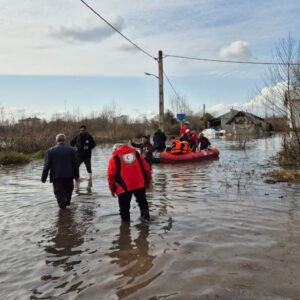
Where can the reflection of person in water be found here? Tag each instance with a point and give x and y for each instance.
(79, 190)
(66, 239)
(135, 255)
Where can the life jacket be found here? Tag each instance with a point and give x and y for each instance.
(181, 147)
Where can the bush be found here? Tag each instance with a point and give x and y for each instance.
(38, 155)
(9, 158)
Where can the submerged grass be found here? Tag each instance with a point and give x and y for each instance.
(284, 175)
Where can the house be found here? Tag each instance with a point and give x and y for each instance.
(30, 121)
(240, 123)
(219, 123)
(292, 101)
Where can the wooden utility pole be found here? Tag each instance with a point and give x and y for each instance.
(161, 90)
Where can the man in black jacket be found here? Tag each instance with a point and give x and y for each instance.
(60, 160)
(159, 141)
(83, 144)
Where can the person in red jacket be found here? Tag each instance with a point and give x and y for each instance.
(129, 174)
(184, 128)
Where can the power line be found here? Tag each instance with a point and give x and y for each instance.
(231, 61)
(115, 29)
(171, 84)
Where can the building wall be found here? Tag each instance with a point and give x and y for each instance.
(246, 129)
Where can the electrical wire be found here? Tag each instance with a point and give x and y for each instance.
(231, 61)
(171, 84)
(115, 29)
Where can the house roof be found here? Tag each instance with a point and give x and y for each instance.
(255, 119)
(228, 115)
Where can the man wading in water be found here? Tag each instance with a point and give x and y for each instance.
(60, 160)
(83, 144)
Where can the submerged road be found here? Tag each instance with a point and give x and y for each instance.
(217, 231)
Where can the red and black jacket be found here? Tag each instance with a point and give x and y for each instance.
(127, 171)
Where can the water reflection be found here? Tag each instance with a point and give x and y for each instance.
(81, 190)
(133, 258)
(65, 249)
(216, 223)
(66, 239)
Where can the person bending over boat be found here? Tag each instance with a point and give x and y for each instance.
(129, 174)
(146, 149)
(204, 142)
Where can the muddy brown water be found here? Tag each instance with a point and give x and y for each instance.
(217, 232)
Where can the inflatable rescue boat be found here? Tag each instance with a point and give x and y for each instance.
(169, 158)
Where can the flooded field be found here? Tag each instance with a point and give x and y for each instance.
(217, 232)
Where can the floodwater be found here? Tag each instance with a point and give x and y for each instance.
(217, 232)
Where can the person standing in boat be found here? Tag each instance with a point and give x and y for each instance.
(159, 141)
(129, 174)
(83, 144)
(184, 128)
(204, 142)
(146, 149)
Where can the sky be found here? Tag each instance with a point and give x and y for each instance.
(58, 56)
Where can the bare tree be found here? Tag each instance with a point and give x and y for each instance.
(179, 105)
(284, 76)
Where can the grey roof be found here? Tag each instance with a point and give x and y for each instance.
(255, 119)
(228, 115)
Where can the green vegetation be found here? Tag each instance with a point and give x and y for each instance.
(9, 158)
(16, 158)
(38, 155)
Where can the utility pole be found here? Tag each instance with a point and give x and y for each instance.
(161, 90)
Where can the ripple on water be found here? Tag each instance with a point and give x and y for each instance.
(217, 231)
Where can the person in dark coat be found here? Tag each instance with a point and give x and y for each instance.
(159, 141)
(146, 149)
(204, 142)
(61, 161)
(83, 144)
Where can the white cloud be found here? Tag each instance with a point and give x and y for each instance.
(81, 34)
(268, 102)
(219, 109)
(184, 27)
(138, 116)
(238, 50)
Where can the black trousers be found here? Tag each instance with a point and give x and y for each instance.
(86, 159)
(124, 203)
(63, 189)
